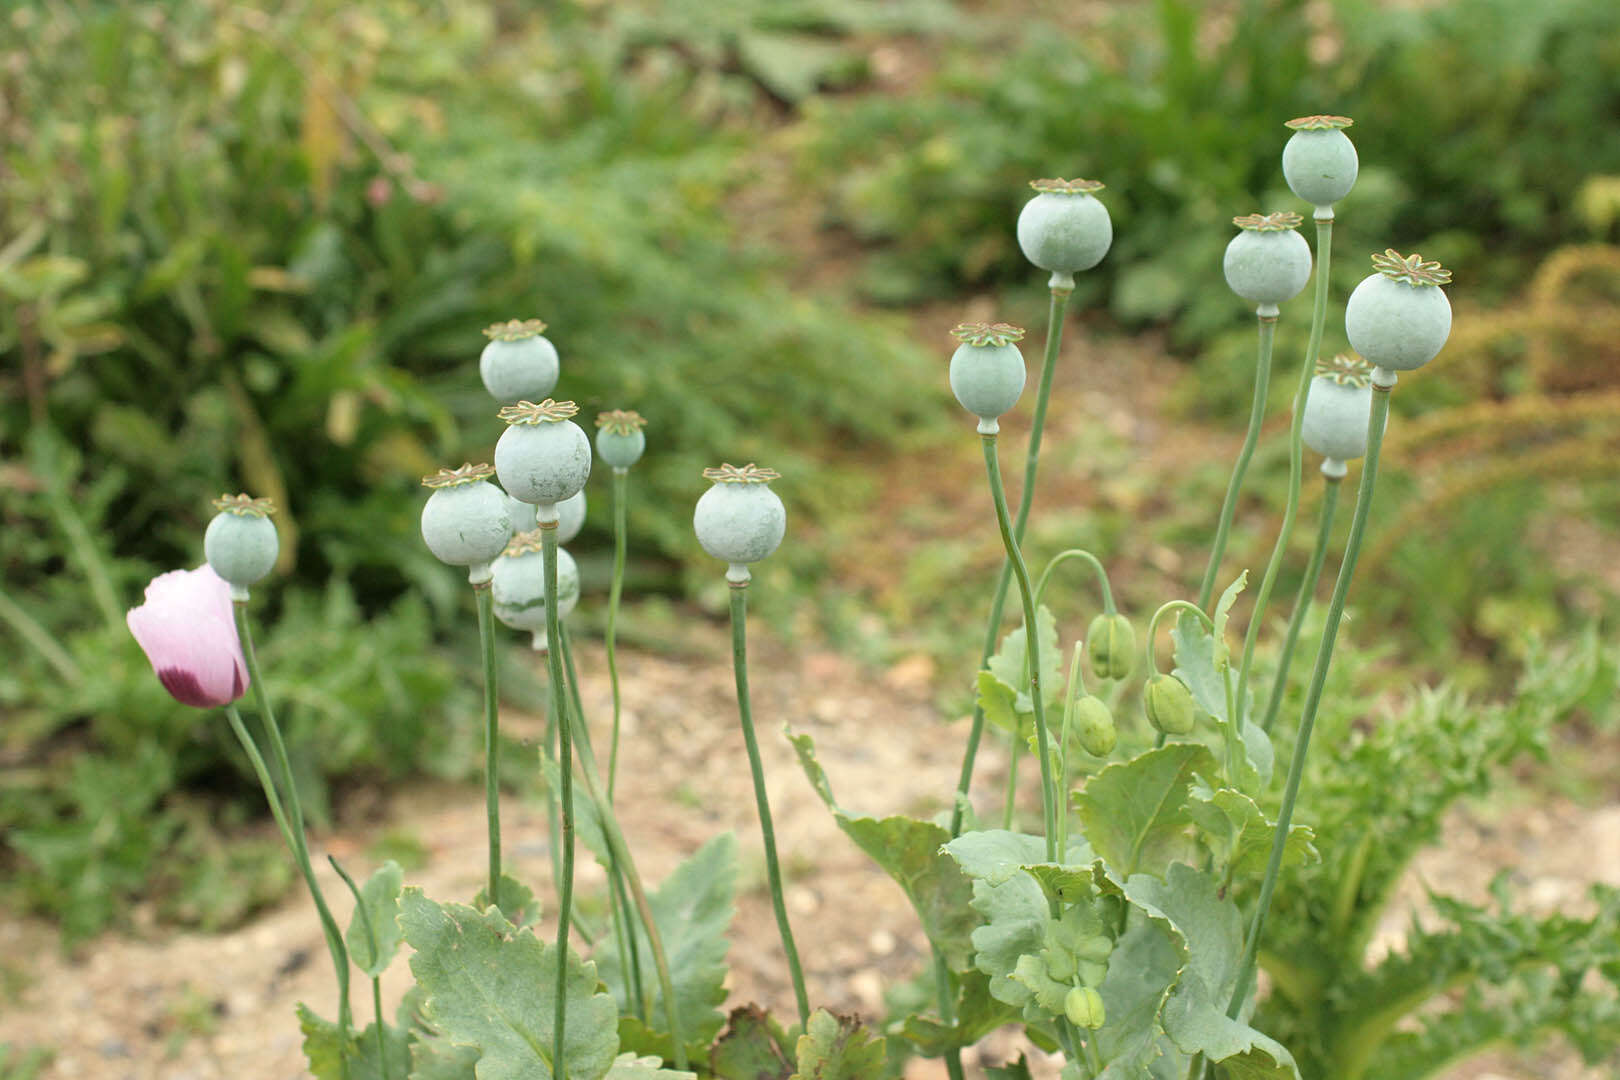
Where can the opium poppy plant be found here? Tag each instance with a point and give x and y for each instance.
(188, 633)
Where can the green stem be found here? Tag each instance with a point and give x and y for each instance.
(947, 1013)
(1313, 697)
(1296, 459)
(1302, 602)
(773, 870)
(1054, 337)
(1009, 806)
(1077, 687)
(371, 938)
(620, 493)
(492, 736)
(1096, 564)
(252, 750)
(1032, 640)
(1165, 608)
(295, 829)
(1257, 414)
(565, 784)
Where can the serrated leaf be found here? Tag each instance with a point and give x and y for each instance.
(1240, 835)
(321, 1049)
(516, 901)
(1223, 614)
(628, 1066)
(490, 986)
(753, 1047)
(999, 703)
(1135, 812)
(693, 909)
(1015, 913)
(434, 1057)
(910, 851)
(1141, 971)
(977, 1015)
(839, 1048)
(379, 897)
(1249, 752)
(995, 855)
(1010, 659)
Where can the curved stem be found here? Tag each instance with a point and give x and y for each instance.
(371, 938)
(1026, 498)
(1096, 564)
(1302, 602)
(773, 870)
(1296, 458)
(295, 831)
(1313, 697)
(565, 771)
(492, 736)
(1164, 609)
(1257, 414)
(620, 493)
(1032, 642)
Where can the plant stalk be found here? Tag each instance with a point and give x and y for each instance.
(1302, 602)
(620, 495)
(492, 736)
(371, 937)
(565, 772)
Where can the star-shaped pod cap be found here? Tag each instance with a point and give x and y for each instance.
(1410, 269)
(467, 473)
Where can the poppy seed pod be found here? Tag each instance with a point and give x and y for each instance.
(987, 370)
(1336, 411)
(241, 542)
(543, 457)
(518, 585)
(466, 522)
(1063, 228)
(522, 515)
(1083, 1005)
(1398, 318)
(1112, 644)
(1267, 262)
(518, 364)
(1094, 726)
(570, 516)
(739, 520)
(619, 438)
(1319, 161)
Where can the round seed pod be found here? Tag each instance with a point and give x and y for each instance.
(1094, 726)
(740, 520)
(518, 364)
(987, 370)
(1319, 160)
(570, 516)
(522, 515)
(619, 438)
(1267, 263)
(1112, 645)
(466, 522)
(241, 544)
(543, 457)
(1335, 423)
(1064, 229)
(1083, 1005)
(1169, 704)
(1398, 318)
(518, 581)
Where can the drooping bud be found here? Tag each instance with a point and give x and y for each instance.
(1084, 1008)
(1094, 726)
(1169, 704)
(1112, 644)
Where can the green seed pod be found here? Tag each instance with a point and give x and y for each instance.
(1398, 318)
(1170, 706)
(1094, 725)
(1268, 262)
(1084, 1008)
(241, 542)
(1112, 644)
(1319, 162)
(518, 364)
(543, 457)
(466, 522)
(518, 583)
(740, 520)
(1063, 228)
(619, 438)
(522, 515)
(570, 516)
(1335, 423)
(987, 371)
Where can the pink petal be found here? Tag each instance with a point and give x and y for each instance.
(188, 631)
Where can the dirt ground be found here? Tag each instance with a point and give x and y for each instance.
(198, 1007)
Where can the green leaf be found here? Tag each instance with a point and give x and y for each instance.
(839, 1048)
(1196, 667)
(379, 897)
(1141, 971)
(1009, 661)
(910, 851)
(995, 855)
(753, 1047)
(1013, 1070)
(491, 986)
(1015, 913)
(321, 1049)
(1223, 613)
(516, 901)
(999, 702)
(693, 909)
(1135, 812)
(1240, 835)
(434, 1057)
(628, 1066)
(977, 1015)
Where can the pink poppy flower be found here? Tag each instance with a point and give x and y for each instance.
(188, 631)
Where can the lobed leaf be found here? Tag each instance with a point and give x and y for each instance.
(839, 1048)
(321, 1049)
(1135, 812)
(1240, 835)
(753, 1047)
(379, 897)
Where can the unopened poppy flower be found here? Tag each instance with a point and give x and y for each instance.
(188, 632)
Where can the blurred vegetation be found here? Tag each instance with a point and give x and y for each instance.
(243, 250)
